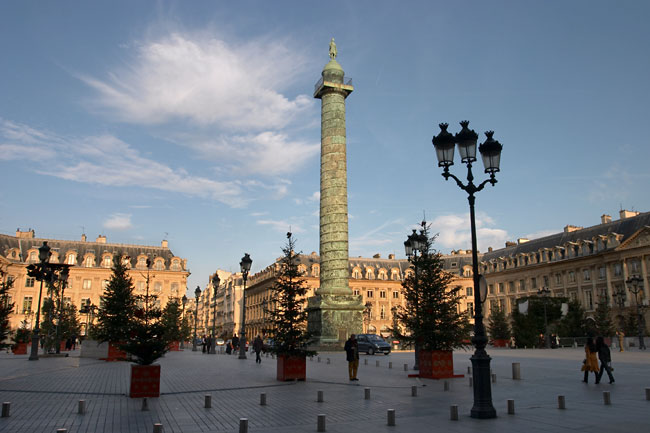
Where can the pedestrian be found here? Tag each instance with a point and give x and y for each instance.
(258, 345)
(235, 342)
(208, 344)
(591, 361)
(228, 347)
(203, 343)
(352, 356)
(605, 359)
(621, 340)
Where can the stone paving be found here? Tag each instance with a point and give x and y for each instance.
(45, 394)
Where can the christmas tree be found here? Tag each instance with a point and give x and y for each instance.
(6, 307)
(118, 304)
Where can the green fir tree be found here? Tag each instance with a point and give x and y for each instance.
(288, 318)
(603, 317)
(6, 307)
(498, 326)
(171, 320)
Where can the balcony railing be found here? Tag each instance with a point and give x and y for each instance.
(347, 81)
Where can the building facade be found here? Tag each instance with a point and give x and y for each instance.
(220, 309)
(579, 263)
(89, 273)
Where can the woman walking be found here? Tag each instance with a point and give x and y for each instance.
(591, 362)
(605, 359)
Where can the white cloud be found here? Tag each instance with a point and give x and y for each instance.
(118, 221)
(454, 232)
(206, 80)
(282, 226)
(540, 234)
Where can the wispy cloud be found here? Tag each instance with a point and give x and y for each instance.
(282, 226)
(454, 232)
(118, 221)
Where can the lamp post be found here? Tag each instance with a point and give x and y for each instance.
(635, 285)
(245, 266)
(416, 242)
(40, 272)
(215, 287)
(183, 302)
(544, 292)
(491, 154)
(197, 294)
(63, 279)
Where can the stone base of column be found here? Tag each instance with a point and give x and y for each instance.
(332, 318)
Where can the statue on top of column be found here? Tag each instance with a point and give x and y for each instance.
(333, 51)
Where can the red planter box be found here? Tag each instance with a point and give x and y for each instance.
(114, 353)
(20, 349)
(175, 346)
(145, 381)
(292, 367)
(436, 364)
(500, 343)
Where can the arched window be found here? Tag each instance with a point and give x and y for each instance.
(176, 265)
(315, 271)
(356, 274)
(159, 265)
(382, 275)
(107, 261)
(71, 259)
(394, 275)
(89, 261)
(370, 274)
(142, 262)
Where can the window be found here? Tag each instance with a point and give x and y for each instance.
(142, 263)
(8, 301)
(87, 284)
(27, 305)
(558, 278)
(174, 289)
(157, 287)
(502, 305)
(107, 262)
(467, 272)
(511, 286)
(545, 280)
(522, 285)
(618, 269)
(369, 294)
(394, 275)
(533, 283)
(634, 266)
(382, 275)
(33, 258)
(469, 291)
(141, 286)
(89, 262)
(589, 300)
(501, 288)
(355, 292)
(356, 274)
(602, 273)
(370, 275)
(395, 295)
(315, 271)
(470, 309)
(29, 282)
(572, 277)
(382, 294)
(176, 265)
(586, 274)
(159, 266)
(491, 289)
(382, 313)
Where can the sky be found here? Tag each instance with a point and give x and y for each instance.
(195, 121)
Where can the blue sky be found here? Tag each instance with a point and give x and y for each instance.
(195, 121)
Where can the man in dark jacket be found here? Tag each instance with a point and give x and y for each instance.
(258, 345)
(352, 356)
(605, 359)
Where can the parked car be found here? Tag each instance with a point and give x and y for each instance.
(220, 342)
(372, 343)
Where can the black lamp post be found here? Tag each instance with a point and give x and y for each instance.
(416, 242)
(544, 292)
(63, 281)
(197, 294)
(215, 287)
(491, 154)
(245, 266)
(635, 285)
(40, 272)
(183, 302)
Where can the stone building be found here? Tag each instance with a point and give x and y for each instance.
(221, 308)
(91, 269)
(578, 263)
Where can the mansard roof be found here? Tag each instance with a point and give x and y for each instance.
(625, 227)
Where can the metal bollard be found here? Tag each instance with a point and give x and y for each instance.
(561, 402)
(243, 425)
(320, 426)
(6, 409)
(366, 393)
(376, 363)
(511, 407)
(391, 417)
(82, 407)
(647, 393)
(208, 401)
(145, 404)
(607, 398)
(414, 391)
(516, 371)
(494, 378)
(319, 397)
(406, 367)
(157, 428)
(328, 360)
(453, 412)
(263, 399)
(365, 362)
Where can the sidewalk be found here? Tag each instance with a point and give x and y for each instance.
(45, 393)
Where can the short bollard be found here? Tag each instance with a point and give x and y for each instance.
(511, 407)
(82, 407)
(145, 405)
(366, 393)
(365, 362)
(320, 426)
(516, 371)
(391, 417)
(494, 378)
(453, 412)
(263, 399)
(414, 391)
(446, 385)
(157, 428)
(647, 393)
(208, 401)
(561, 402)
(319, 397)
(6, 408)
(328, 360)
(406, 367)
(376, 363)
(243, 425)
(607, 398)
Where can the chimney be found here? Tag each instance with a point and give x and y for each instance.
(29, 234)
(164, 243)
(510, 244)
(489, 249)
(605, 219)
(522, 240)
(377, 256)
(569, 228)
(83, 237)
(391, 257)
(101, 239)
(627, 214)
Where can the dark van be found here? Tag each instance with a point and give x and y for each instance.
(372, 343)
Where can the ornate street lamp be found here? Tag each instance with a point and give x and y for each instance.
(635, 285)
(63, 281)
(183, 302)
(416, 242)
(40, 272)
(545, 292)
(491, 154)
(245, 266)
(215, 287)
(197, 294)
